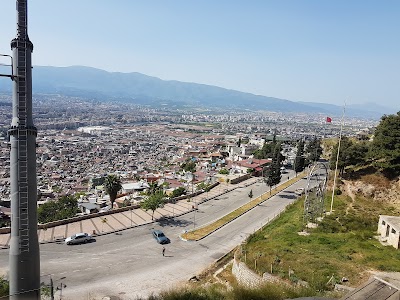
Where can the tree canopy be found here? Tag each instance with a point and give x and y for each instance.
(344, 154)
(178, 192)
(277, 154)
(153, 202)
(98, 181)
(382, 153)
(266, 151)
(63, 208)
(273, 175)
(223, 171)
(299, 161)
(385, 147)
(313, 150)
(112, 185)
(189, 166)
(154, 187)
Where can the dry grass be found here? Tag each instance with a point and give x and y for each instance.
(227, 276)
(200, 233)
(377, 180)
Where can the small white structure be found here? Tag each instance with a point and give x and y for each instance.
(131, 187)
(389, 230)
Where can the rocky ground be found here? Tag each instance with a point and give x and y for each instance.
(375, 187)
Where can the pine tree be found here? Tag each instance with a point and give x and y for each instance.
(385, 148)
(299, 160)
(313, 150)
(277, 154)
(273, 175)
(344, 154)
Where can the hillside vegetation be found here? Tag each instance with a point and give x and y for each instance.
(379, 154)
(343, 248)
(343, 245)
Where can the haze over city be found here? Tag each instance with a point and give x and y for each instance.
(301, 51)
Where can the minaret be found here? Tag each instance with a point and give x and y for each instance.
(24, 246)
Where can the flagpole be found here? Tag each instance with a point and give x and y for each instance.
(337, 156)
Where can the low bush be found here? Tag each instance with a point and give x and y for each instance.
(268, 291)
(4, 287)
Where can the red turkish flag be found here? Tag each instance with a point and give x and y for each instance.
(328, 119)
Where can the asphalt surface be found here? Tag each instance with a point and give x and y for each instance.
(129, 263)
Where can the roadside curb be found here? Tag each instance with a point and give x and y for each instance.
(61, 240)
(242, 213)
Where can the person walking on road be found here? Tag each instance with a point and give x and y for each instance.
(163, 251)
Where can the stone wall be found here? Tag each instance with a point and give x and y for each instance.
(240, 179)
(6, 230)
(245, 276)
(249, 278)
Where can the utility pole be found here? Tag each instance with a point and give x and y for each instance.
(51, 289)
(24, 261)
(337, 157)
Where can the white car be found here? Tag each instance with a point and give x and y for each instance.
(299, 191)
(79, 238)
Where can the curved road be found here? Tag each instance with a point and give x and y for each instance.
(130, 263)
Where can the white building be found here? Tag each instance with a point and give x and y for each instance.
(389, 230)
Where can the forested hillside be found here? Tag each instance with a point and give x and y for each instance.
(380, 153)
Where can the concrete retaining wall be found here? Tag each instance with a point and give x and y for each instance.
(240, 179)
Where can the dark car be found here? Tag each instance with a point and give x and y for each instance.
(160, 237)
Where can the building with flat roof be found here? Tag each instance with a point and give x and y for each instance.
(389, 230)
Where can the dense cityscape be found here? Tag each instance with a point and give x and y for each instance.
(78, 142)
(162, 151)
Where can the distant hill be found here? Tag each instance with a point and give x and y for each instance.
(146, 90)
(356, 110)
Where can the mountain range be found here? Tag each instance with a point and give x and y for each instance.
(142, 89)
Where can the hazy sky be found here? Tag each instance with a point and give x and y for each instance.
(319, 51)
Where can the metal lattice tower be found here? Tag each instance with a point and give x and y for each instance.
(315, 193)
(24, 246)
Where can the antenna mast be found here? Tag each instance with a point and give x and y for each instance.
(24, 245)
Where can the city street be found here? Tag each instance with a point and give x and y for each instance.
(130, 263)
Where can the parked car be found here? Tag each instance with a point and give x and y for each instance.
(79, 238)
(299, 191)
(160, 237)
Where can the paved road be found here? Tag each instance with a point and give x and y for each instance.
(130, 263)
(124, 220)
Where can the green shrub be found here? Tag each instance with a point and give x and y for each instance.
(63, 208)
(223, 172)
(4, 287)
(194, 293)
(178, 192)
